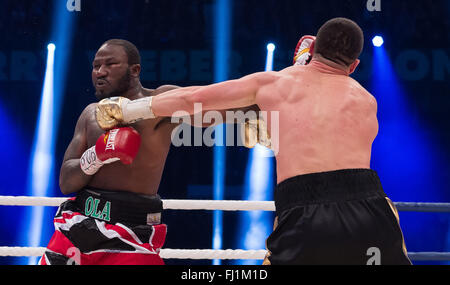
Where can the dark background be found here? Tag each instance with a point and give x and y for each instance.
(177, 41)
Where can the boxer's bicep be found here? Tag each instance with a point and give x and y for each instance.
(227, 95)
(71, 177)
(75, 149)
(234, 94)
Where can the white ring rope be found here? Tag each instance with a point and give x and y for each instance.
(168, 204)
(225, 205)
(168, 253)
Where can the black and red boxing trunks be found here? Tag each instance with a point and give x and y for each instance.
(336, 217)
(107, 228)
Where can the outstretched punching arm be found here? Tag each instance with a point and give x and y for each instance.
(220, 96)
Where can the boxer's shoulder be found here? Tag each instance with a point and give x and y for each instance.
(87, 123)
(361, 97)
(88, 112)
(355, 84)
(267, 77)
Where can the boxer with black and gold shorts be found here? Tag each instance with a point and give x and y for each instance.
(335, 217)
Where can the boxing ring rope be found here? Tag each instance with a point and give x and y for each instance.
(168, 253)
(225, 205)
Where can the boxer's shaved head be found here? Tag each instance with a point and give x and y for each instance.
(340, 40)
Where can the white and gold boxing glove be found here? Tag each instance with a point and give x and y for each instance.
(255, 131)
(114, 111)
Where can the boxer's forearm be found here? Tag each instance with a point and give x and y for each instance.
(71, 177)
(166, 104)
(220, 96)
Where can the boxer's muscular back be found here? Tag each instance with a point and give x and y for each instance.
(326, 121)
(144, 174)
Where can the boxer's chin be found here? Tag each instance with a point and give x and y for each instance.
(102, 94)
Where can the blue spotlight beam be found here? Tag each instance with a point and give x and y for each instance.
(401, 135)
(269, 57)
(404, 154)
(259, 179)
(41, 180)
(222, 48)
(42, 157)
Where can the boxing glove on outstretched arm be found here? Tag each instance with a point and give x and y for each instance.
(225, 95)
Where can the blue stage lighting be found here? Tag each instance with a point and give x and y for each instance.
(42, 155)
(270, 47)
(259, 181)
(41, 177)
(269, 57)
(378, 41)
(222, 50)
(51, 47)
(404, 153)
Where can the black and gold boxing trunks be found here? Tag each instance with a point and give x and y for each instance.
(335, 217)
(107, 228)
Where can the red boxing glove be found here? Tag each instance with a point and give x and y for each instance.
(116, 144)
(304, 50)
(119, 143)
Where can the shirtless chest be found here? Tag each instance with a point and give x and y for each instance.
(144, 174)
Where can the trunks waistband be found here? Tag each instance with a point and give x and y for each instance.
(326, 187)
(119, 206)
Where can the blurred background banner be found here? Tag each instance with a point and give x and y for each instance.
(46, 56)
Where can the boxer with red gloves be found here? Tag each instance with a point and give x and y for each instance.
(114, 216)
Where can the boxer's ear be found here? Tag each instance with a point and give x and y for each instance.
(135, 70)
(353, 66)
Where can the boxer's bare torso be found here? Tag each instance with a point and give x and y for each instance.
(327, 121)
(143, 175)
